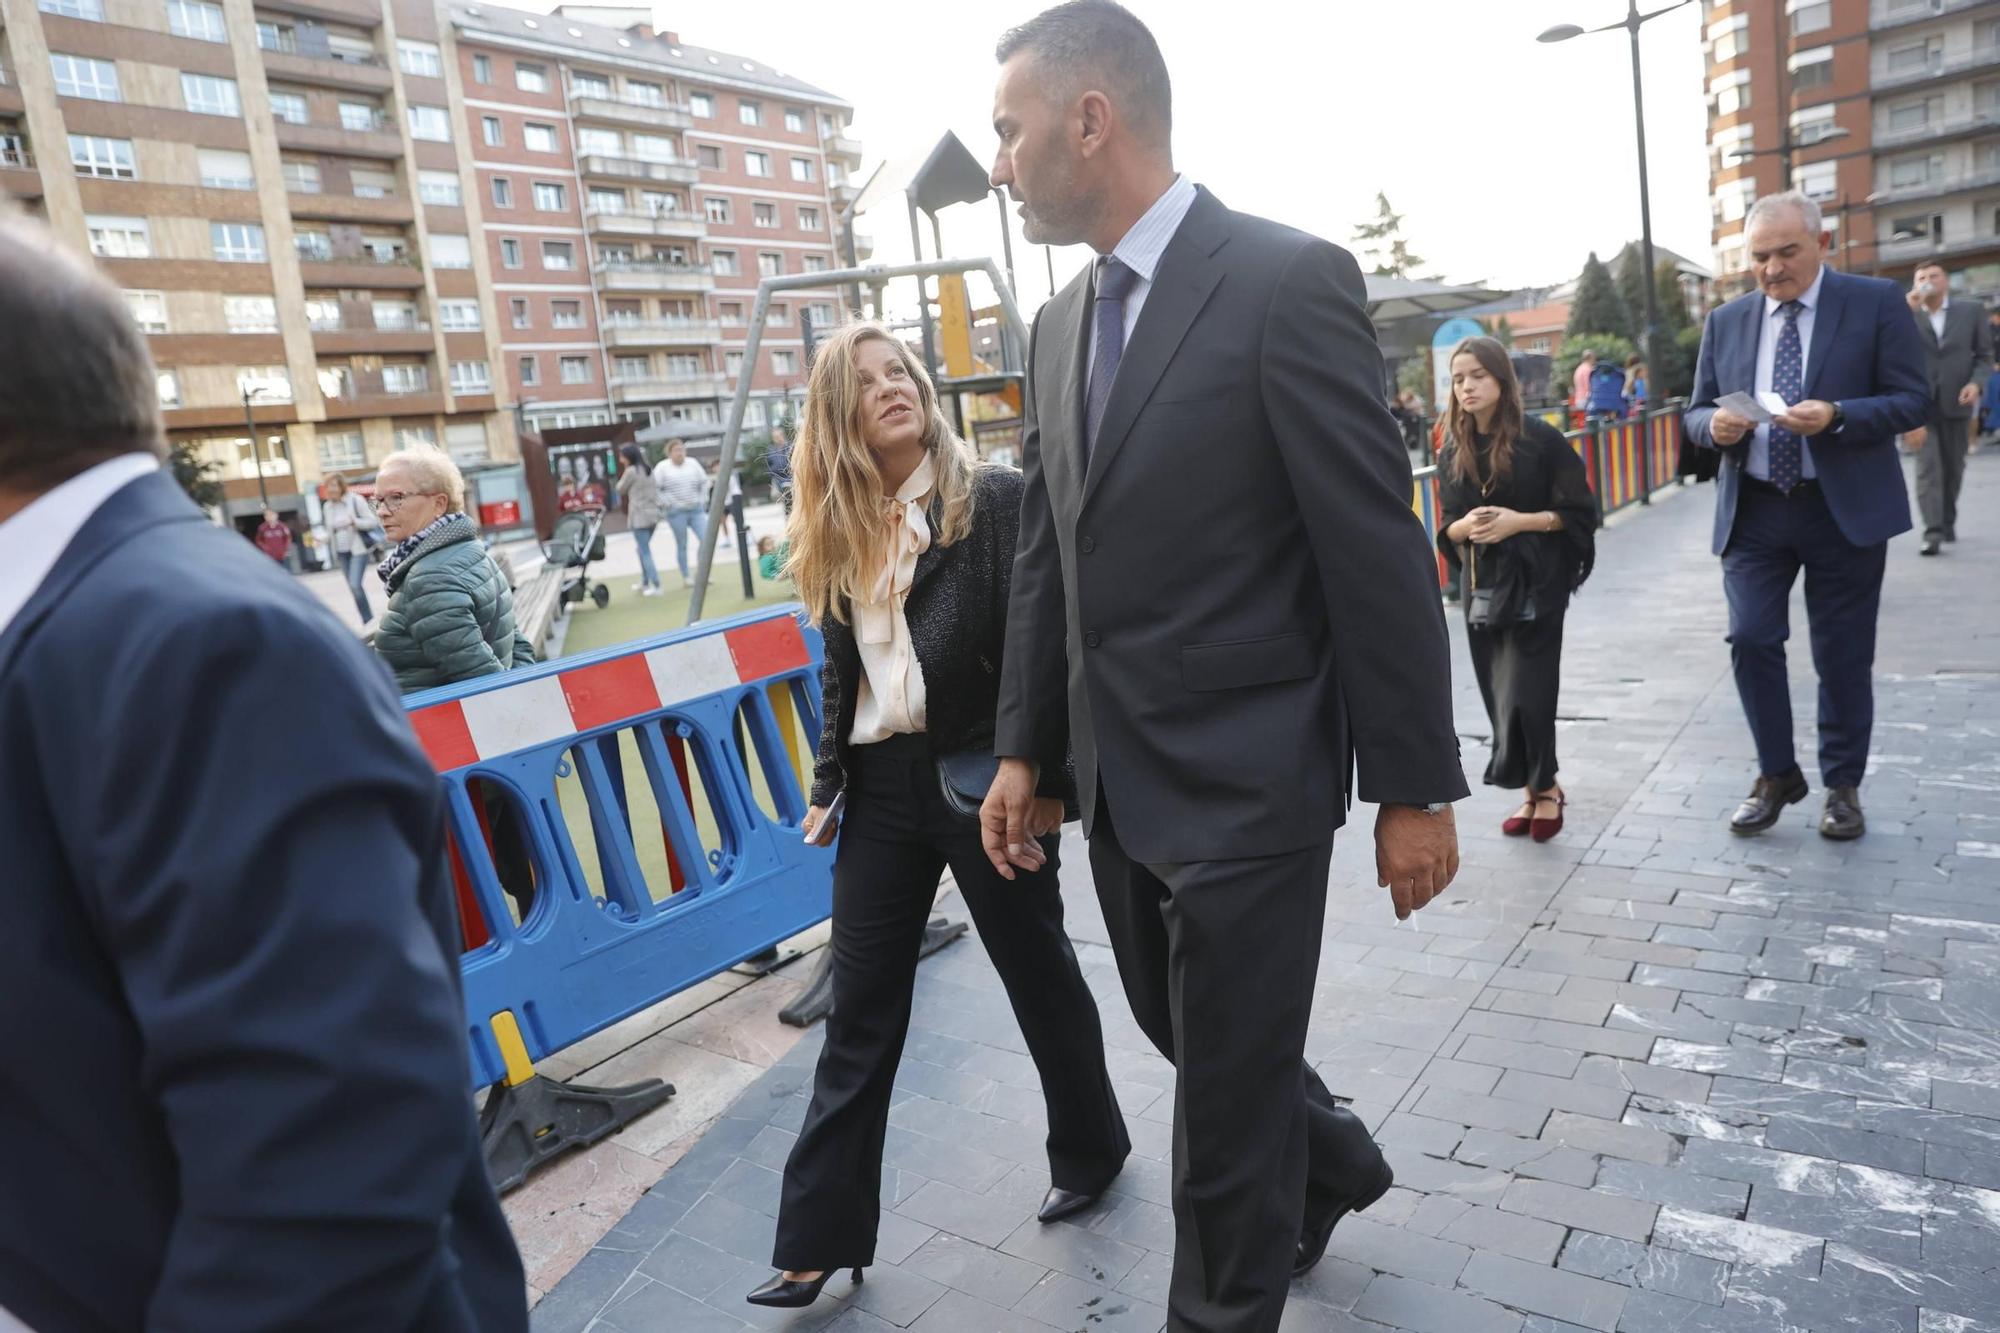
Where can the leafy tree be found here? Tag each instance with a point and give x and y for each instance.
(1597, 307)
(195, 474)
(1667, 291)
(1501, 331)
(1382, 245)
(1415, 375)
(1679, 337)
(1632, 285)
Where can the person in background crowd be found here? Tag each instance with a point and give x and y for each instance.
(237, 1086)
(353, 530)
(778, 462)
(643, 512)
(770, 559)
(1635, 386)
(1517, 512)
(568, 498)
(1580, 381)
(1989, 407)
(273, 537)
(732, 508)
(1607, 391)
(903, 550)
(1819, 489)
(683, 487)
(1959, 359)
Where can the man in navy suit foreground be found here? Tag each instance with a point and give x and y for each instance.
(1820, 488)
(235, 1093)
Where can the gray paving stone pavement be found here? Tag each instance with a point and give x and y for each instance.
(1647, 1078)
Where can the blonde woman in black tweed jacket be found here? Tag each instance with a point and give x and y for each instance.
(902, 548)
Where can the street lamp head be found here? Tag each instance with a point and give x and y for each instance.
(1562, 32)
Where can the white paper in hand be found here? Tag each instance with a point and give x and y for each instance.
(1743, 405)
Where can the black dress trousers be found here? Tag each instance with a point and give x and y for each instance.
(897, 837)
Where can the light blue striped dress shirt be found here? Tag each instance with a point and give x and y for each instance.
(1142, 247)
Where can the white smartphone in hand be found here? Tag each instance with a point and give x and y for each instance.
(821, 835)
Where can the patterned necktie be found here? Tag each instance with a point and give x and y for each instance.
(1114, 284)
(1786, 381)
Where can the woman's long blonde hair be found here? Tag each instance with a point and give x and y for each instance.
(837, 535)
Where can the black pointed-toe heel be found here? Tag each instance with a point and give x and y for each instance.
(785, 1293)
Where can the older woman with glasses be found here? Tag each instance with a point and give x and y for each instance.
(451, 613)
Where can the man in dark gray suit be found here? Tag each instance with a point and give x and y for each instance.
(1221, 603)
(1959, 351)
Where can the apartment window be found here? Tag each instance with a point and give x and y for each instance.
(448, 251)
(1812, 124)
(795, 120)
(757, 164)
(458, 316)
(702, 105)
(405, 377)
(340, 450)
(1923, 226)
(815, 263)
(575, 369)
(1729, 37)
(539, 138)
(196, 19)
(802, 169)
(274, 36)
(1913, 58)
(730, 313)
(482, 69)
(118, 238)
(566, 314)
(517, 308)
(210, 96)
(290, 108)
(394, 315)
(549, 197)
(599, 143)
(607, 201)
(510, 252)
(1731, 92)
(654, 148)
(372, 184)
(1816, 16)
(237, 242)
(1913, 172)
(628, 368)
(250, 314)
(821, 315)
(531, 78)
(466, 441)
(558, 255)
(827, 129)
(724, 262)
(708, 156)
(471, 377)
(732, 364)
(225, 169)
(770, 264)
(416, 437)
(439, 187)
(1914, 115)
(589, 85)
(300, 177)
(80, 77)
(1812, 69)
(149, 310)
(808, 219)
(749, 112)
(503, 192)
(764, 215)
(270, 384)
(430, 123)
(683, 364)
(313, 246)
(106, 159)
(420, 58)
(74, 9)
(531, 370)
(1819, 180)
(784, 361)
(645, 94)
(716, 207)
(336, 381)
(322, 312)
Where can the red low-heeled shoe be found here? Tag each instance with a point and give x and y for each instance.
(1541, 830)
(1517, 826)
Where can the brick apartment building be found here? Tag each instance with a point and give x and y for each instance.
(393, 222)
(1885, 111)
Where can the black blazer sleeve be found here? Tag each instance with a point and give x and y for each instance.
(1321, 377)
(1033, 717)
(259, 877)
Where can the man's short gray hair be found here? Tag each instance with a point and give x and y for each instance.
(1798, 200)
(1100, 44)
(434, 471)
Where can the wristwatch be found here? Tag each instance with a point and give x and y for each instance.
(1434, 808)
(1839, 421)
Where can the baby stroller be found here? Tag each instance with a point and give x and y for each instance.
(577, 540)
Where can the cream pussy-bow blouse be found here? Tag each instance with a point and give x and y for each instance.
(890, 700)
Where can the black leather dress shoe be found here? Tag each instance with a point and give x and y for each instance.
(1059, 1203)
(1767, 800)
(1312, 1245)
(1843, 820)
(1930, 546)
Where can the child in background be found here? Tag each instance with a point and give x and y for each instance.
(770, 559)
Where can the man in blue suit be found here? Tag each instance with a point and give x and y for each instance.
(235, 1093)
(1818, 488)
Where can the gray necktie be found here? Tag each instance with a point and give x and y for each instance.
(1114, 284)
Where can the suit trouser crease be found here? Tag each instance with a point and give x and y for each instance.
(1775, 537)
(1519, 670)
(1941, 474)
(1219, 961)
(896, 839)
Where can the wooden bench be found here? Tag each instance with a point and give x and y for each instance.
(537, 603)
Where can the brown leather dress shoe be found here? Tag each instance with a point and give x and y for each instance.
(1843, 820)
(1767, 800)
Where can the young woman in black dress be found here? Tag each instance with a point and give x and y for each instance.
(1518, 514)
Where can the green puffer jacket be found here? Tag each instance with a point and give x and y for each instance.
(450, 616)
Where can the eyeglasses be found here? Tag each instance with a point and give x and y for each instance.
(388, 504)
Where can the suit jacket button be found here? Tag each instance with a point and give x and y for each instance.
(1091, 640)
(1089, 545)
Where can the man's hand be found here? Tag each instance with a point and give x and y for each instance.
(1968, 395)
(1914, 297)
(1416, 854)
(1007, 819)
(1913, 440)
(1728, 428)
(1807, 418)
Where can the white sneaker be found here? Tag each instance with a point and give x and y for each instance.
(649, 592)
(639, 587)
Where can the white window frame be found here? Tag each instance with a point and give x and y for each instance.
(301, 177)
(529, 368)
(446, 251)
(809, 219)
(531, 78)
(764, 216)
(197, 20)
(353, 450)
(784, 361)
(559, 320)
(749, 111)
(795, 120)
(442, 188)
(425, 59)
(716, 208)
(240, 315)
(532, 130)
(510, 252)
(68, 71)
(461, 453)
(702, 105)
(573, 370)
(812, 264)
(211, 95)
(238, 243)
(89, 10)
(556, 193)
(725, 263)
(521, 312)
(756, 164)
(464, 379)
(492, 132)
(283, 103)
(569, 263)
(502, 190)
(107, 168)
(482, 69)
(623, 370)
(409, 377)
(243, 173)
(148, 310)
(167, 383)
(114, 237)
(458, 314)
(423, 127)
(770, 263)
(803, 169)
(265, 384)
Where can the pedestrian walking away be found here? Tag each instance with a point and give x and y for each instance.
(354, 531)
(1819, 487)
(237, 1065)
(273, 537)
(1219, 635)
(1517, 512)
(1958, 354)
(683, 488)
(902, 547)
(643, 512)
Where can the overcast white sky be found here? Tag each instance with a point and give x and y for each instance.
(1510, 160)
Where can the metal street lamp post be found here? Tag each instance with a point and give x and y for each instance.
(256, 454)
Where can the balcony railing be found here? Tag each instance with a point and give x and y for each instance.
(672, 170)
(1939, 129)
(1937, 185)
(1890, 14)
(1920, 246)
(315, 254)
(630, 332)
(17, 157)
(660, 266)
(1939, 66)
(644, 111)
